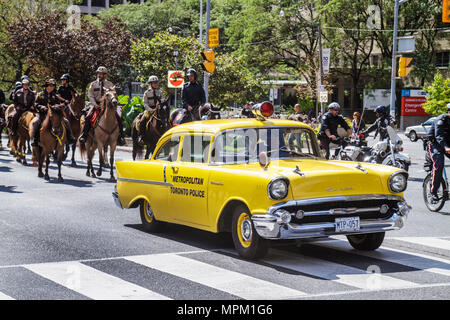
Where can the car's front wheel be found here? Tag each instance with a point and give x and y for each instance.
(149, 222)
(413, 136)
(366, 242)
(246, 240)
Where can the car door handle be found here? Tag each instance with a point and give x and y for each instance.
(217, 183)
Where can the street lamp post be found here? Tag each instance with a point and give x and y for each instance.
(175, 54)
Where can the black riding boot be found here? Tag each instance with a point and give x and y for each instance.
(35, 133)
(120, 139)
(86, 128)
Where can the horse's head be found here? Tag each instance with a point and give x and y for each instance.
(164, 114)
(110, 98)
(209, 111)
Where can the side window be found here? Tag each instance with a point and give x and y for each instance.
(169, 151)
(195, 149)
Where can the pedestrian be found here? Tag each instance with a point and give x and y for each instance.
(439, 145)
(193, 95)
(358, 124)
(330, 122)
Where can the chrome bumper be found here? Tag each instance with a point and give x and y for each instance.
(115, 196)
(270, 226)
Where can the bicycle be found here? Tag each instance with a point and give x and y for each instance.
(443, 191)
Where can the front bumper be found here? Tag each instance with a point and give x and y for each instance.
(270, 226)
(115, 196)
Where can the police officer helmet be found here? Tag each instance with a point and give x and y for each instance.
(334, 106)
(25, 81)
(191, 72)
(65, 77)
(24, 77)
(251, 103)
(448, 107)
(18, 83)
(102, 70)
(50, 82)
(381, 110)
(153, 79)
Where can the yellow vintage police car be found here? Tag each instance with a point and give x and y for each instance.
(261, 179)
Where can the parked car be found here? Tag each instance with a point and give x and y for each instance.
(262, 180)
(419, 132)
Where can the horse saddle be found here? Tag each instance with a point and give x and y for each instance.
(95, 118)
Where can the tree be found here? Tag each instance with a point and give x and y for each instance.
(438, 95)
(52, 49)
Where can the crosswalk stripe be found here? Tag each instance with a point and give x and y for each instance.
(427, 241)
(91, 282)
(406, 258)
(5, 297)
(336, 272)
(228, 281)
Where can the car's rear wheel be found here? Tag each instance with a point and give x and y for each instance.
(246, 240)
(366, 242)
(149, 222)
(413, 136)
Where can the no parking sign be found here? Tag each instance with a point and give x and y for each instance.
(175, 79)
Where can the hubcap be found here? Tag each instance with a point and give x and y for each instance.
(244, 230)
(148, 212)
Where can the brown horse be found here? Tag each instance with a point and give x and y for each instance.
(73, 114)
(2, 122)
(157, 124)
(52, 137)
(103, 135)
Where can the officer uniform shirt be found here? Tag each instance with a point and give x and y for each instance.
(44, 99)
(193, 95)
(95, 91)
(151, 97)
(331, 122)
(66, 92)
(380, 125)
(439, 132)
(24, 100)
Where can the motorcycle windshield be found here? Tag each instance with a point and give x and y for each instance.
(393, 136)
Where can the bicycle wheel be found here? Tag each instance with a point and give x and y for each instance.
(434, 206)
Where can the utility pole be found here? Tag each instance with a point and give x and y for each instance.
(206, 81)
(201, 21)
(319, 30)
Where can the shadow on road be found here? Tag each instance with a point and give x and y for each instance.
(5, 169)
(9, 189)
(74, 183)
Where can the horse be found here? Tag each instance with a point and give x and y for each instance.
(210, 111)
(104, 134)
(157, 125)
(52, 137)
(2, 121)
(73, 113)
(18, 142)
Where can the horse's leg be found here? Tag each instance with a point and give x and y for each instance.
(105, 154)
(47, 162)
(101, 160)
(40, 159)
(111, 163)
(74, 147)
(147, 152)
(91, 158)
(24, 152)
(60, 160)
(29, 147)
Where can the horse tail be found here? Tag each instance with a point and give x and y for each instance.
(82, 148)
(138, 149)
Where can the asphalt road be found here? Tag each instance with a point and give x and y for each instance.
(69, 241)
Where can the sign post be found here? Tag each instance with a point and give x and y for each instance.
(175, 79)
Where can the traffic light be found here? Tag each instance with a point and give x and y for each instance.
(403, 69)
(446, 11)
(208, 65)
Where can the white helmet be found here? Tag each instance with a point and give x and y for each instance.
(153, 79)
(102, 70)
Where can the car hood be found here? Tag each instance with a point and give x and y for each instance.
(311, 178)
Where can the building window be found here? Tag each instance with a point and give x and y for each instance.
(98, 3)
(347, 96)
(376, 61)
(442, 59)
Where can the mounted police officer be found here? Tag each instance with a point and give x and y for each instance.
(329, 125)
(193, 95)
(439, 145)
(247, 110)
(383, 121)
(95, 94)
(45, 98)
(152, 98)
(23, 101)
(65, 91)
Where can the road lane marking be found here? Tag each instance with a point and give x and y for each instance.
(427, 241)
(406, 258)
(225, 280)
(336, 272)
(92, 283)
(5, 297)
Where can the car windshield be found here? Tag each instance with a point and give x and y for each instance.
(244, 145)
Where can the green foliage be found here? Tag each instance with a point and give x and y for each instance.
(130, 110)
(439, 95)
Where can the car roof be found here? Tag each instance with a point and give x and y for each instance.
(215, 126)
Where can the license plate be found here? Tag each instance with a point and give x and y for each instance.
(347, 224)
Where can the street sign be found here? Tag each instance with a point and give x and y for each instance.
(446, 11)
(208, 65)
(213, 37)
(406, 44)
(326, 60)
(323, 96)
(175, 79)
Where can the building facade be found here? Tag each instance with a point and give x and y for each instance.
(92, 7)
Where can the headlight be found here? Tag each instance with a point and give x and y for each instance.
(398, 181)
(278, 188)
